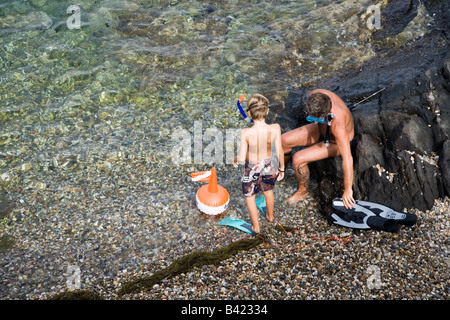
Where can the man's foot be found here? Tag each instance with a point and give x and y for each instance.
(267, 217)
(298, 196)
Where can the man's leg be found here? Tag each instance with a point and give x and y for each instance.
(304, 136)
(300, 164)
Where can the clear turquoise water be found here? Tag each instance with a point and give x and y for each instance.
(158, 64)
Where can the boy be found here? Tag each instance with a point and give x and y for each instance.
(256, 151)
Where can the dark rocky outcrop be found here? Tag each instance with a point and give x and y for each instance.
(401, 149)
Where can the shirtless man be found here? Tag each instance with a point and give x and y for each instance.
(333, 124)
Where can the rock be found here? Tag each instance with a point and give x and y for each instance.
(444, 164)
(395, 18)
(35, 20)
(39, 3)
(399, 13)
(413, 183)
(401, 148)
(407, 132)
(369, 153)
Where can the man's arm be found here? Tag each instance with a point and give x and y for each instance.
(343, 145)
(280, 153)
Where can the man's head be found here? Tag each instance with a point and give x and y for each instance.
(258, 107)
(318, 105)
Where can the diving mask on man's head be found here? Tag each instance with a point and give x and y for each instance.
(320, 119)
(325, 119)
(316, 120)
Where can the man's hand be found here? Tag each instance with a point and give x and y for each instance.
(347, 199)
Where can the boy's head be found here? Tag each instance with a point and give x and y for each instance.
(258, 106)
(318, 105)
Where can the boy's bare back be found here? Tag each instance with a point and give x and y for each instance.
(258, 141)
(260, 138)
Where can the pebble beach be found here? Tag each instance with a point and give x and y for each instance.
(301, 256)
(318, 262)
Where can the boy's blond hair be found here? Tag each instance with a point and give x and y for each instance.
(257, 106)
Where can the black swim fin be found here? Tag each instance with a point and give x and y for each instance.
(360, 217)
(404, 218)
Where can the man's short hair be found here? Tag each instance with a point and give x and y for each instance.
(318, 105)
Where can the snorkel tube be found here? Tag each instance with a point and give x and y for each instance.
(249, 120)
(324, 120)
(330, 117)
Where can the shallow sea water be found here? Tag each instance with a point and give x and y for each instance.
(88, 118)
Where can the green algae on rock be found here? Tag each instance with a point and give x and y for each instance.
(188, 262)
(6, 243)
(77, 295)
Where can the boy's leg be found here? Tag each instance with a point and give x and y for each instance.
(253, 210)
(268, 195)
(300, 164)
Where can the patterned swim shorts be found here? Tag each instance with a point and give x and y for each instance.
(258, 176)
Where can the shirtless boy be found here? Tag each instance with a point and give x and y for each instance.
(330, 114)
(256, 151)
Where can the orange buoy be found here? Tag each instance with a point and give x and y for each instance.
(211, 198)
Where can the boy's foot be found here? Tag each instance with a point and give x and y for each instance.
(270, 220)
(298, 196)
(254, 233)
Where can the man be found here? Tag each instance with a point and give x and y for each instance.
(328, 136)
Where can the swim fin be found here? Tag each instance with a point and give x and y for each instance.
(404, 218)
(238, 224)
(261, 204)
(360, 217)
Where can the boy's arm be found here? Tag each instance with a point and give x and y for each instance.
(242, 150)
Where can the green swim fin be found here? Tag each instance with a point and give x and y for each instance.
(261, 204)
(238, 224)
